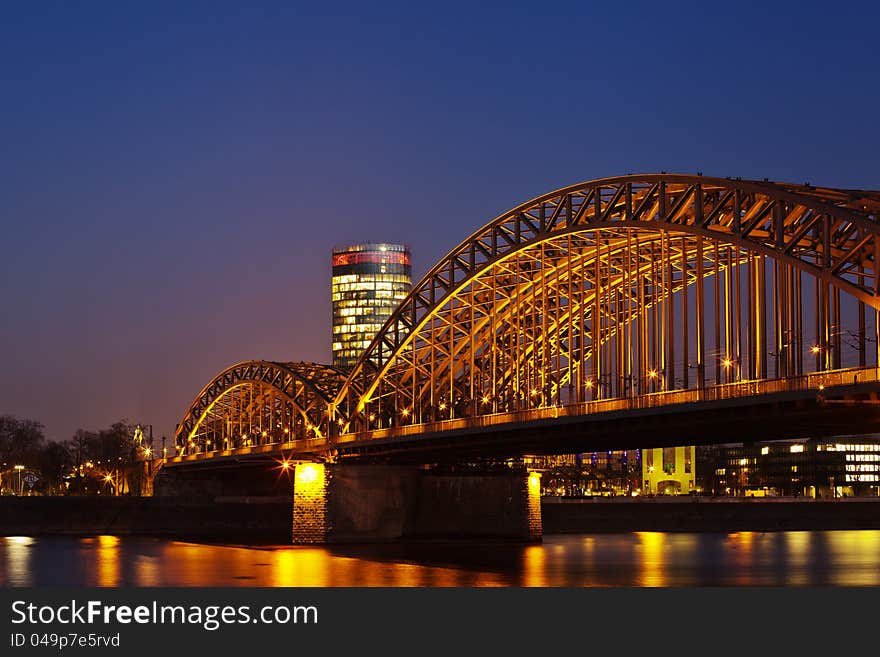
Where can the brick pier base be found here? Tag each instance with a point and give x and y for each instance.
(354, 503)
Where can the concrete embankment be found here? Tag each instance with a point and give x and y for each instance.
(268, 519)
(254, 519)
(578, 516)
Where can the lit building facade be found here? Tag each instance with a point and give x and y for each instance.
(668, 471)
(589, 474)
(368, 282)
(844, 466)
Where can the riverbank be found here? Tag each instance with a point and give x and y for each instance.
(702, 514)
(252, 519)
(263, 520)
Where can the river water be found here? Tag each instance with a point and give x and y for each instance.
(797, 558)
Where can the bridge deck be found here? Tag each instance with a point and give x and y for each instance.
(822, 403)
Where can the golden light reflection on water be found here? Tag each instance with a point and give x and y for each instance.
(305, 566)
(740, 556)
(302, 566)
(834, 558)
(797, 549)
(651, 559)
(535, 561)
(147, 570)
(108, 561)
(854, 558)
(18, 556)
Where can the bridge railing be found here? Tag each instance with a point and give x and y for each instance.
(817, 381)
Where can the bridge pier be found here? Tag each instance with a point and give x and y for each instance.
(310, 492)
(355, 503)
(369, 503)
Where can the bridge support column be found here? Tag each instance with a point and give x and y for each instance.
(311, 482)
(533, 492)
(352, 503)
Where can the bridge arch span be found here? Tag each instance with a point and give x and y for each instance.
(507, 317)
(259, 402)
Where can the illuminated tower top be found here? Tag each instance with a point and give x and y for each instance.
(368, 282)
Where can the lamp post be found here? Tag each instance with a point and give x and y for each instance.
(19, 469)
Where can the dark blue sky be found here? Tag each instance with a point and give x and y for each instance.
(174, 175)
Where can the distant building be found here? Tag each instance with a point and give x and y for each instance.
(368, 283)
(668, 471)
(841, 466)
(590, 473)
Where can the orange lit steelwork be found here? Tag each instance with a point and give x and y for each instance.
(568, 298)
(259, 402)
(655, 287)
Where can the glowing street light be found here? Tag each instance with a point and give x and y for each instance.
(652, 374)
(19, 469)
(815, 349)
(307, 473)
(727, 362)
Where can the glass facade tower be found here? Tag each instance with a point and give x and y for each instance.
(368, 282)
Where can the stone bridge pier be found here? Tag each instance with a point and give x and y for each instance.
(368, 503)
(345, 503)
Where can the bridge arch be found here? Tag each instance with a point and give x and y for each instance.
(257, 402)
(636, 252)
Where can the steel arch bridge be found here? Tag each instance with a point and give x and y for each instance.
(619, 288)
(260, 402)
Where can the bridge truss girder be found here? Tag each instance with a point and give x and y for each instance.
(612, 288)
(260, 402)
(429, 353)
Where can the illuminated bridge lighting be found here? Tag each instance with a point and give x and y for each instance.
(368, 283)
(588, 298)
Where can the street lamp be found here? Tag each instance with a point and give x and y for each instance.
(19, 469)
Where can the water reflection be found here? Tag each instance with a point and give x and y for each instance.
(148, 570)
(797, 547)
(18, 566)
(854, 562)
(836, 558)
(535, 566)
(108, 560)
(651, 559)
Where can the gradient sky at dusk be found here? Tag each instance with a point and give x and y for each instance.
(174, 175)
